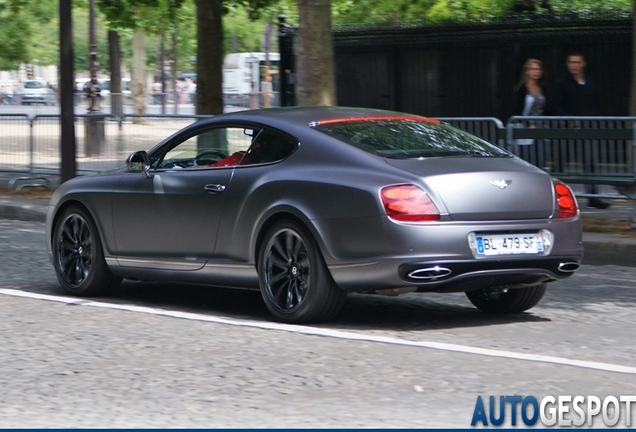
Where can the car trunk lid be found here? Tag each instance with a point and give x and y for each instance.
(485, 188)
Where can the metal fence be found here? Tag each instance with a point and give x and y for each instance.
(592, 149)
(171, 102)
(584, 150)
(30, 147)
(487, 128)
(16, 150)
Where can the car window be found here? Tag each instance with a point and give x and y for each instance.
(210, 148)
(225, 146)
(400, 138)
(33, 85)
(269, 146)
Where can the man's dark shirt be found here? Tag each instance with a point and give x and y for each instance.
(573, 99)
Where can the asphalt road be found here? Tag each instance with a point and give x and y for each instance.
(160, 355)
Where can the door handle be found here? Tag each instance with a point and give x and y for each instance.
(214, 188)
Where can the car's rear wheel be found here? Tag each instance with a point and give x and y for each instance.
(80, 266)
(293, 277)
(502, 300)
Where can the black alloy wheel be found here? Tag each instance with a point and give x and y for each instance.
(503, 300)
(295, 282)
(80, 266)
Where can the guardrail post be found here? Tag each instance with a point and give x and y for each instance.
(509, 138)
(120, 135)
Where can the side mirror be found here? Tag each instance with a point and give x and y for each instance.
(139, 161)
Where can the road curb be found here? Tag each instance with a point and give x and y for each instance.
(22, 212)
(609, 249)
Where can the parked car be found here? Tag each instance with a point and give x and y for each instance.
(37, 91)
(309, 204)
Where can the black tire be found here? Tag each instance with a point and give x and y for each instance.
(499, 300)
(294, 280)
(78, 256)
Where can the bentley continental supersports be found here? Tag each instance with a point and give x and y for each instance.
(309, 204)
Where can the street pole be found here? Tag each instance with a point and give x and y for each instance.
(162, 74)
(266, 75)
(67, 120)
(254, 99)
(92, 59)
(95, 136)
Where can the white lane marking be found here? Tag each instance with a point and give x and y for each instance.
(337, 334)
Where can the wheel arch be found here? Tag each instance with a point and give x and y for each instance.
(79, 203)
(285, 214)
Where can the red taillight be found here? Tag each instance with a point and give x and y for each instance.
(566, 203)
(408, 203)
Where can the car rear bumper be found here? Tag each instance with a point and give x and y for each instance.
(35, 98)
(453, 276)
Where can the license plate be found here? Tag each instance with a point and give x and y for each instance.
(508, 244)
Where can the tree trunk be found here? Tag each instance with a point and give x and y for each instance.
(138, 76)
(209, 97)
(116, 95)
(632, 96)
(315, 85)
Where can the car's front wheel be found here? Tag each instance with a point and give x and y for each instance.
(78, 256)
(503, 300)
(294, 280)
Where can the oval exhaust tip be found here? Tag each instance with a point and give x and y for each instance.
(569, 267)
(430, 274)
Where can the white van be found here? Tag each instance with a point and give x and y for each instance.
(238, 71)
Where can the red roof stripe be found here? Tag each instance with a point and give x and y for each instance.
(373, 118)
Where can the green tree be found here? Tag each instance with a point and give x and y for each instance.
(210, 52)
(20, 22)
(140, 17)
(242, 34)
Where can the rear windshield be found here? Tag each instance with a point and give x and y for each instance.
(33, 84)
(406, 139)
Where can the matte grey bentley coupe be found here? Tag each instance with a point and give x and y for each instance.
(309, 204)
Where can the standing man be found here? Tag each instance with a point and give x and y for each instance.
(575, 95)
(191, 89)
(9, 94)
(157, 92)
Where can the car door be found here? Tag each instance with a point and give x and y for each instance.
(256, 185)
(170, 217)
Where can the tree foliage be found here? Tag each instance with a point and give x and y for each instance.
(360, 12)
(20, 24)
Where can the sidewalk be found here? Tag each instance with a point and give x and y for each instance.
(600, 248)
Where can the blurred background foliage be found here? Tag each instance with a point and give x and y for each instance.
(29, 29)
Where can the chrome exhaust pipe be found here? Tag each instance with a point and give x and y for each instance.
(430, 274)
(569, 267)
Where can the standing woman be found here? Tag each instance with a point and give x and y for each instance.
(530, 101)
(530, 90)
